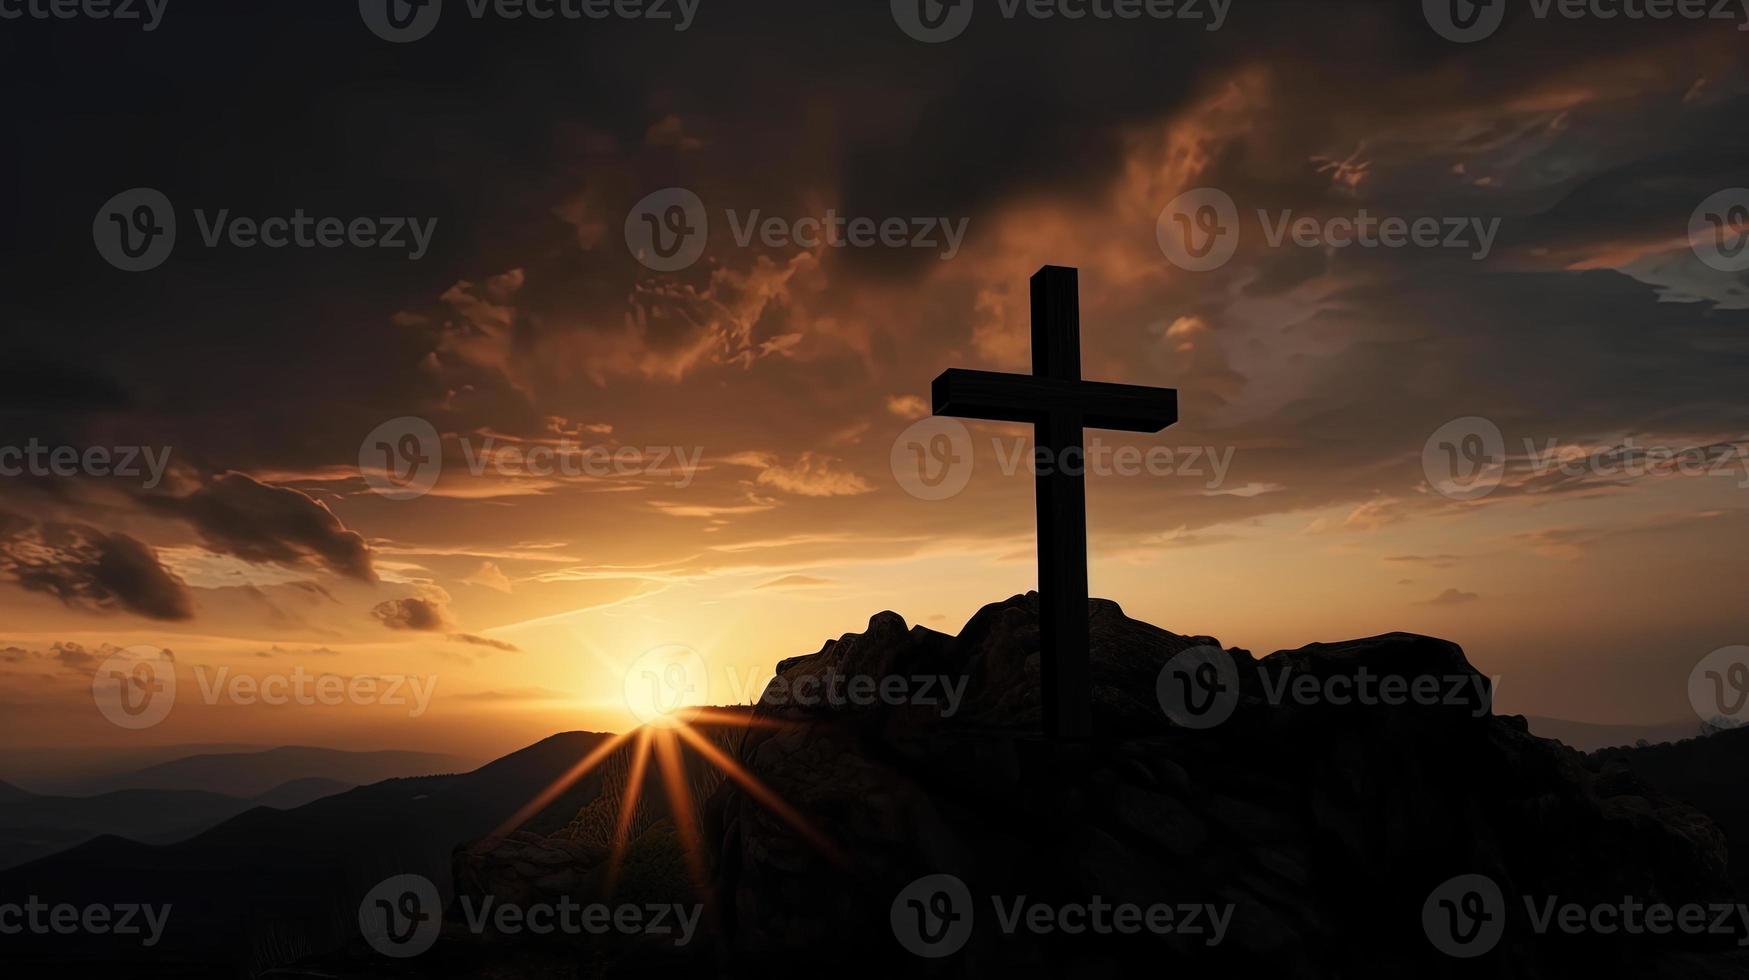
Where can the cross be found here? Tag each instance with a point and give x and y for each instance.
(1059, 405)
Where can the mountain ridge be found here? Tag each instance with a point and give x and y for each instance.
(1322, 826)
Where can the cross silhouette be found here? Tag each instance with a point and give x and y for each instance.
(1059, 405)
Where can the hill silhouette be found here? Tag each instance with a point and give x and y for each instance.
(271, 881)
(34, 825)
(250, 774)
(1322, 827)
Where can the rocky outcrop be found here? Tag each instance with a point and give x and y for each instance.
(1318, 808)
(1323, 819)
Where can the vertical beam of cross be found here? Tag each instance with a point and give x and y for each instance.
(1059, 405)
(1067, 695)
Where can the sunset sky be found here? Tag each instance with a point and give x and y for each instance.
(1315, 375)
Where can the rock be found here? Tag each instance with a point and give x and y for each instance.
(1312, 831)
(1325, 826)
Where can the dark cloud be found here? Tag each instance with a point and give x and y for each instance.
(421, 615)
(485, 641)
(256, 522)
(32, 384)
(73, 656)
(88, 568)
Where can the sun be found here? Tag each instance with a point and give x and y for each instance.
(667, 689)
(663, 682)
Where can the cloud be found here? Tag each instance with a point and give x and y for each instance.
(710, 511)
(1432, 561)
(428, 615)
(797, 582)
(257, 522)
(811, 475)
(483, 641)
(1451, 597)
(489, 576)
(88, 568)
(669, 131)
(908, 406)
(73, 656)
(1183, 333)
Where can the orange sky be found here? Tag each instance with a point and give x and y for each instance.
(1315, 376)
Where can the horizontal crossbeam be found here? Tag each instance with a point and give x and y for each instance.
(999, 397)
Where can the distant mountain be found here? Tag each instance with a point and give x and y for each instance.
(299, 792)
(250, 774)
(267, 880)
(72, 770)
(33, 826)
(1589, 737)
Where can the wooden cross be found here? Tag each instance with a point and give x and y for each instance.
(1059, 405)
